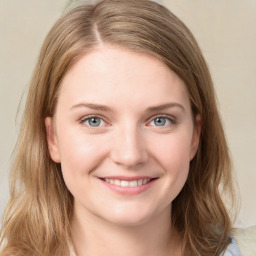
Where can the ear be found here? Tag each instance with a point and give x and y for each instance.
(52, 140)
(196, 136)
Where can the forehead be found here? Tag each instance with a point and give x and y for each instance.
(109, 74)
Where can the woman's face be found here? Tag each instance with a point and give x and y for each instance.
(124, 134)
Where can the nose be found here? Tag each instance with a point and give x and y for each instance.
(129, 148)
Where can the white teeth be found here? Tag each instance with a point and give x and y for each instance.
(126, 183)
(133, 183)
(145, 181)
(117, 182)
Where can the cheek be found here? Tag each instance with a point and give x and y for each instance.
(172, 149)
(80, 154)
(173, 154)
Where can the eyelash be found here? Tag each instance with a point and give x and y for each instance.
(87, 118)
(170, 119)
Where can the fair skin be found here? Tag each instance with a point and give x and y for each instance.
(124, 134)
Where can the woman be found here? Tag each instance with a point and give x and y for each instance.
(121, 149)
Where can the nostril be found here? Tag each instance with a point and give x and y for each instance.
(128, 147)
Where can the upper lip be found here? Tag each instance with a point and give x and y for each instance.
(128, 178)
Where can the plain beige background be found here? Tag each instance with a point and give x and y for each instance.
(226, 32)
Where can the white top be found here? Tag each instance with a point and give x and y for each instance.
(232, 249)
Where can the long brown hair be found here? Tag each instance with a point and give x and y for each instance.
(37, 218)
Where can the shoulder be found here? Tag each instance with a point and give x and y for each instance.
(72, 250)
(232, 249)
(246, 240)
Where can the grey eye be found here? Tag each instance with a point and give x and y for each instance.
(94, 122)
(160, 121)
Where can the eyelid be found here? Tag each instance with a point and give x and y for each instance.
(83, 119)
(172, 119)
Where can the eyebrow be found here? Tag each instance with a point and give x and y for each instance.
(165, 106)
(91, 106)
(150, 109)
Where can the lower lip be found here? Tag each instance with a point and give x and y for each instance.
(128, 190)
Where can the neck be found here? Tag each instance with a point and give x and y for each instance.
(92, 236)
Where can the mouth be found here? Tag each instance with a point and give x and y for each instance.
(128, 185)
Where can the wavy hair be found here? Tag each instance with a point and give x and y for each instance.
(37, 217)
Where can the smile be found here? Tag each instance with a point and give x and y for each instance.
(127, 183)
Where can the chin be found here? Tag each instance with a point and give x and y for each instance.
(129, 217)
